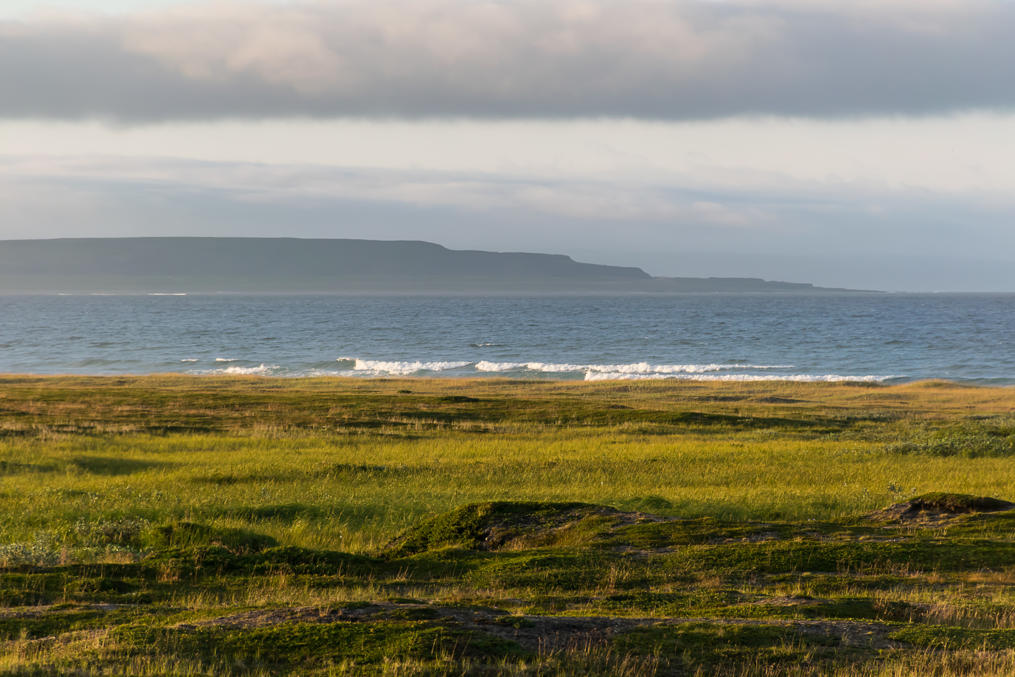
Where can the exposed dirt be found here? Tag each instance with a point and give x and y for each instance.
(938, 507)
(788, 601)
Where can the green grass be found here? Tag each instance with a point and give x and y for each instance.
(179, 525)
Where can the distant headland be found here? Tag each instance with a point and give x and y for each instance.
(339, 266)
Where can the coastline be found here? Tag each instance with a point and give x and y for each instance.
(670, 381)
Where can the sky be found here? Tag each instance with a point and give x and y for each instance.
(865, 144)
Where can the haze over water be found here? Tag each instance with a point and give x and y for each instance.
(884, 338)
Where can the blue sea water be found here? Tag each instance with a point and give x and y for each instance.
(865, 337)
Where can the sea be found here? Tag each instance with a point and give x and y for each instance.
(888, 338)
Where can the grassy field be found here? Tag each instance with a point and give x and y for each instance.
(199, 525)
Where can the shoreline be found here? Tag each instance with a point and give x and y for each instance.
(701, 380)
(479, 381)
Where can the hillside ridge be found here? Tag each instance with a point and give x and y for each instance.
(296, 265)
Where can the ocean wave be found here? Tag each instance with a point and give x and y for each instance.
(488, 366)
(601, 372)
(224, 359)
(406, 368)
(189, 359)
(634, 369)
(360, 367)
(800, 378)
(236, 370)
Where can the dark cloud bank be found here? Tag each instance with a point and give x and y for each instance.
(546, 58)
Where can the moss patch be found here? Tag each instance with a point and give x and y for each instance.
(494, 525)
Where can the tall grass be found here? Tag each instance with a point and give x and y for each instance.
(94, 470)
(354, 486)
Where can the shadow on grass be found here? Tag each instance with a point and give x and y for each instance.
(111, 465)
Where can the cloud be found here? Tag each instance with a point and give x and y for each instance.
(295, 185)
(717, 208)
(524, 58)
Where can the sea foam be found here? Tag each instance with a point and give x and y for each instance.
(801, 378)
(406, 368)
(633, 369)
(354, 366)
(591, 372)
(259, 370)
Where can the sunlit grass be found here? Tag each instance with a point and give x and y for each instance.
(90, 468)
(357, 492)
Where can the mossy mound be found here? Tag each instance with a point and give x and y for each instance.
(942, 505)
(500, 524)
(191, 534)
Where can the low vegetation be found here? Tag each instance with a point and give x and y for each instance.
(244, 526)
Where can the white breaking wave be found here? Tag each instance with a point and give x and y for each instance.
(531, 366)
(259, 370)
(634, 369)
(802, 378)
(189, 359)
(353, 366)
(500, 366)
(224, 359)
(397, 368)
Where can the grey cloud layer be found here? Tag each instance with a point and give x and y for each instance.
(260, 184)
(528, 58)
